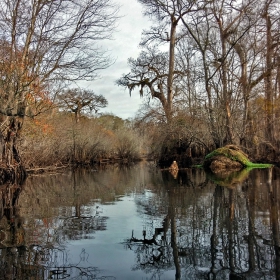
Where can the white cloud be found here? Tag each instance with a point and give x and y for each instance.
(125, 45)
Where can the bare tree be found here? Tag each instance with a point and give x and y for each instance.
(227, 44)
(77, 101)
(167, 15)
(271, 19)
(227, 27)
(46, 42)
(200, 63)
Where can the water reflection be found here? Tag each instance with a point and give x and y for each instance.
(228, 230)
(191, 226)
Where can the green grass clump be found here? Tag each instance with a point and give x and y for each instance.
(231, 152)
(258, 165)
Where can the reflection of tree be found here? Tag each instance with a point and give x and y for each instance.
(29, 244)
(36, 221)
(192, 228)
(167, 247)
(172, 216)
(151, 252)
(81, 224)
(242, 248)
(59, 266)
(37, 262)
(212, 231)
(274, 220)
(43, 258)
(11, 224)
(251, 208)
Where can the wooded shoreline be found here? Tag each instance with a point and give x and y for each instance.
(12, 174)
(215, 82)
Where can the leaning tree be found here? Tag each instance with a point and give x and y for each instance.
(44, 43)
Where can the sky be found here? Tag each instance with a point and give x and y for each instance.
(125, 45)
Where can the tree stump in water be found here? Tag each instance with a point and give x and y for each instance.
(174, 166)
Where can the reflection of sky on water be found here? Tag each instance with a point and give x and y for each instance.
(77, 228)
(106, 250)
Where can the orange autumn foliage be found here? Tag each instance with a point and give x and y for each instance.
(39, 127)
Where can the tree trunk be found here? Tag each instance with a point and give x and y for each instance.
(213, 130)
(245, 87)
(209, 106)
(175, 251)
(226, 94)
(229, 139)
(268, 82)
(11, 166)
(169, 109)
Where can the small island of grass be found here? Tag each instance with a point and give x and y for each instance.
(230, 157)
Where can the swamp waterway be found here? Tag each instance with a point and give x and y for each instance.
(141, 223)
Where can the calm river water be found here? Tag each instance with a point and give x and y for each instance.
(142, 223)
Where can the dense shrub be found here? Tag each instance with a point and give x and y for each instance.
(56, 139)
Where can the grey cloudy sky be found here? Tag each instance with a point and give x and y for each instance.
(125, 44)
